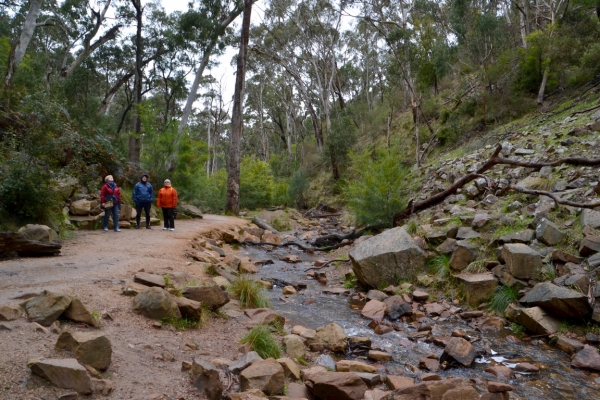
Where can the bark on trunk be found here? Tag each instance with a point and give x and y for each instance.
(233, 170)
(20, 47)
(540, 98)
(134, 139)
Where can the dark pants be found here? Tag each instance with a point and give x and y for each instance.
(138, 208)
(114, 211)
(169, 217)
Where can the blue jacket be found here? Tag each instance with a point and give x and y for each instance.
(143, 193)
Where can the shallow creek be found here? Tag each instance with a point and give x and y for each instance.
(556, 379)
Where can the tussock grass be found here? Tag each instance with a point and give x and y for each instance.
(263, 342)
(251, 294)
(181, 324)
(547, 272)
(503, 296)
(440, 266)
(476, 267)
(412, 227)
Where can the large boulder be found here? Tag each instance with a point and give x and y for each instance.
(338, 386)
(47, 307)
(535, 319)
(156, 303)
(266, 375)
(205, 377)
(211, 296)
(67, 374)
(81, 207)
(384, 258)
(41, 233)
(189, 210)
(459, 350)
(332, 336)
(79, 313)
(147, 279)
(547, 233)
(463, 255)
(522, 261)
(588, 358)
(91, 348)
(590, 218)
(589, 245)
(477, 287)
(559, 300)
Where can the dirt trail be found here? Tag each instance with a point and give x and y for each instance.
(93, 266)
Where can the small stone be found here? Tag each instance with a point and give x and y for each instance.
(499, 387)
(289, 290)
(526, 367)
(419, 295)
(398, 382)
(379, 356)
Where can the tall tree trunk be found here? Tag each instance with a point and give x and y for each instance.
(19, 48)
(233, 170)
(134, 138)
(540, 98)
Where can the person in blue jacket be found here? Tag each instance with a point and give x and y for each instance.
(143, 196)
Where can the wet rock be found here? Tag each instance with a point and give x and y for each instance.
(151, 280)
(338, 385)
(376, 295)
(383, 329)
(547, 233)
(79, 313)
(463, 255)
(374, 309)
(420, 295)
(379, 356)
(156, 303)
(368, 378)
(396, 307)
(65, 373)
(211, 296)
(527, 367)
(501, 372)
(430, 377)
(10, 312)
(499, 387)
(522, 261)
(589, 245)
(291, 258)
(354, 366)
(384, 257)
(395, 382)
(47, 307)
(90, 348)
(559, 300)
(205, 377)
(477, 287)
(377, 394)
(437, 390)
(237, 366)
(332, 336)
(294, 346)
(290, 369)
(590, 218)
(264, 316)
(568, 345)
(588, 358)
(189, 308)
(459, 350)
(267, 376)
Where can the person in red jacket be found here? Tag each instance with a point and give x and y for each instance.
(111, 192)
(167, 200)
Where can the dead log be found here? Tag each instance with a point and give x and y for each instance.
(262, 224)
(490, 163)
(15, 243)
(554, 197)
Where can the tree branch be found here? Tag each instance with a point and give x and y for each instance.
(554, 197)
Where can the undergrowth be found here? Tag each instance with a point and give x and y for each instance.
(503, 296)
(251, 294)
(263, 342)
(440, 266)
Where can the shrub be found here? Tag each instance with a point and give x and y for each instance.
(251, 294)
(263, 342)
(297, 189)
(378, 192)
(503, 296)
(256, 184)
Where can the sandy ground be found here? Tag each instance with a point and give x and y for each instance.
(94, 266)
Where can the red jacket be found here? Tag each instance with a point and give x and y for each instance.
(167, 197)
(106, 193)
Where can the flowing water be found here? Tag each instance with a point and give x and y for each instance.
(556, 379)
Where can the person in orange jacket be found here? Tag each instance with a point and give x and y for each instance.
(167, 200)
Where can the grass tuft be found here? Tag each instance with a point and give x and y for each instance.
(440, 266)
(503, 296)
(412, 227)
(251, 294)
(263, 342)
(181, 324)
(476, 267)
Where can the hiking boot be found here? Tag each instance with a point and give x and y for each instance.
(172, 229)
(164, 229)
(137, 227)
(148, 227)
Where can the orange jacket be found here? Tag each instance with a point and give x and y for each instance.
(167, 197)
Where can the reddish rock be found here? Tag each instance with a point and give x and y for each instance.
(374, 309)
(526, 367)
(501, 372)
(338, 385)
(499, 387)
(429, 364)
(430, 377)
(395, 382)
(459, 350)
(419, 295)
(461, 393)
(588, 358)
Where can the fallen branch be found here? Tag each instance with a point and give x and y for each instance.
(491, 162)
(587, 109)
(326, 264)
(262, 224)
(554, 197)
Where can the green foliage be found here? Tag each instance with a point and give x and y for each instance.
(518, 330)
(338, 144)
(263, 342)
(378, 191)
(503, 296)
(411, 227)
(439, 265)
(281, 223)
(181, 324)
(256, 184)
(298, 186)
(251, 294)
(350, 281)
(213, 191)
(475, 267)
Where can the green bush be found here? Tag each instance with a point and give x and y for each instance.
(251, 294)
(256, 184)
(378, 190)
(297, 189)
(503, 296)
(263, 342)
